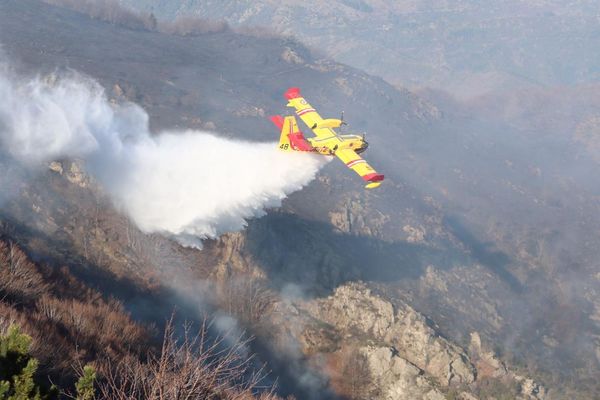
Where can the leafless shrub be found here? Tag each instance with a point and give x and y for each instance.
(354, 380)
(247, 299)
(101, 326)
(66, 319)
(8, 317)
(193, 367)
(19, 277)
(190, 26)
(47, 346)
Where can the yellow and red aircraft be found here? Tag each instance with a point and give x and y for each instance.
(327, 141)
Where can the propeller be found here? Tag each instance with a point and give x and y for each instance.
(342, 118)
(342, 121)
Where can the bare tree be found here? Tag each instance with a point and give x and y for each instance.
(356, 380)
(19, 277)
(247, 299)
(193, 367)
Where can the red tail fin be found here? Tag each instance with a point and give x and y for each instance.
(292, 93)
(277, 120)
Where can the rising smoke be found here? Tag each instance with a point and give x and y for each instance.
(187, 184)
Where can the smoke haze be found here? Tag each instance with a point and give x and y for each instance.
(188, 184)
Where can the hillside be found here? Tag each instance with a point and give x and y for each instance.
(461, 261)
(465, 47)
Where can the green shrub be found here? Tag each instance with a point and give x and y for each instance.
(18, 368)
(85, 384)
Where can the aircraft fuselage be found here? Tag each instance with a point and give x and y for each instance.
(329, 145)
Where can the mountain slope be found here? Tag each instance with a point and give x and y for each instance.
(432, 240)
(466, 47)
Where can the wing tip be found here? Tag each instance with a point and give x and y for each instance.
(292, 93)
(374, 177)
(374, 180)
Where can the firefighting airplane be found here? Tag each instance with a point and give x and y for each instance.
(327, 141)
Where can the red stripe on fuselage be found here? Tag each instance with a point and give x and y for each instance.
(306, 111)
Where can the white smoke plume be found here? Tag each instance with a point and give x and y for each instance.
(187, 184)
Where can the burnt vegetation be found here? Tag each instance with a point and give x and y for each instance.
(112, 12)
(248, 300)
(68, 325)
(67, 320)
(188, 366)
(109, 11)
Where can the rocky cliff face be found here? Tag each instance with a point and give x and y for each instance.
(377, 349)
(357, 313)
(406, 358)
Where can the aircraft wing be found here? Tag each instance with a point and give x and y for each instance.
(321, 127)
(360, 166)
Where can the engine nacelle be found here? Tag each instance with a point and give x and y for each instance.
(328, 123)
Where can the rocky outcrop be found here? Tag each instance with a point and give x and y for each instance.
(396, 379)
(72, 170)
(379, 348)
(486, 362)
(354, 216)
(292, 57)
(358, 313)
